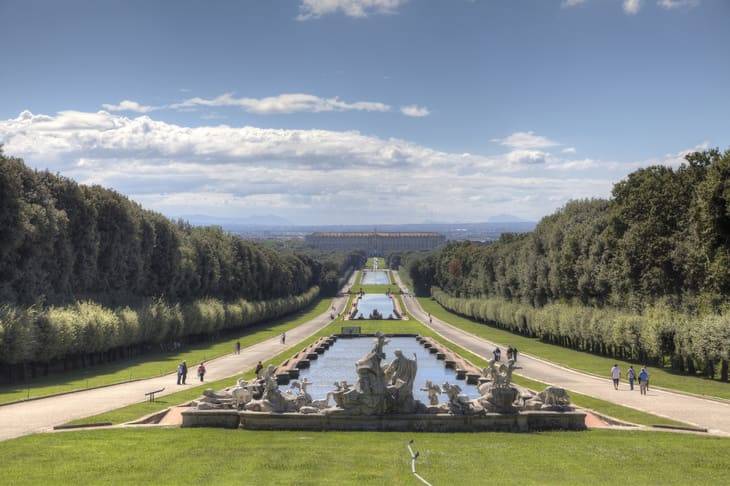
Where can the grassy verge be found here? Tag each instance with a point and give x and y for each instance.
(578, 360)
(195, 456)
(156, 364)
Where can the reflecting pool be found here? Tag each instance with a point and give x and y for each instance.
(369, 302)
(338, 363)
(375, 277)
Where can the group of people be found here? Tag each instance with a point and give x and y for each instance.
(631, 376)
(182, 372)
(511, 354)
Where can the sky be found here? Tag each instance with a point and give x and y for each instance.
(361, 111)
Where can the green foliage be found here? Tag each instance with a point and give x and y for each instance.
(631, 277)
(41, 336)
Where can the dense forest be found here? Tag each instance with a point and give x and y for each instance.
(88, 275)
(643, 275)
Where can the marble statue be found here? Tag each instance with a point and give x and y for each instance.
(433, 392)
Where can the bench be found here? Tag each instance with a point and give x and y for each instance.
(152, 394)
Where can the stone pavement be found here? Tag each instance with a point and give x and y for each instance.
(707, 413)
(45, 413)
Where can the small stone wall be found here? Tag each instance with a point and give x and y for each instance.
(225, 419)
(492, 422)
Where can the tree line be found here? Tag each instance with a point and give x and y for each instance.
(644, 274)
(85, 270)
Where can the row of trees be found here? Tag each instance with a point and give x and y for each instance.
(87, 274)
(86, 333)
(61, 242)
(663, 239)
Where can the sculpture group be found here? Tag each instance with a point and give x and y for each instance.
(388, 389)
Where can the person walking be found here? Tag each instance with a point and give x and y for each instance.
(201, 371)
(179, 374)
(184, 372)
(497, 353)
(643, 381)
(509, 353)
(514, 354)
(430, 319)
(615, 375)
(238, 347)
(631, 375)
(283, 338)
(259, 367)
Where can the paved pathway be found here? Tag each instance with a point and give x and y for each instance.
(43, 414)
(710, 414)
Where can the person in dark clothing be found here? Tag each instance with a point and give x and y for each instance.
(259, 367)
(238, 347)
(179, 373)
(184, 372)
(514, 353)
(509, 353)
(497, 354)
(283, 338)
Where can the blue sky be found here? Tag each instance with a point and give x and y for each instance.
(374, 111)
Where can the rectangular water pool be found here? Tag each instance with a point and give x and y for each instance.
(370, 302)
(375, 277)
(338, 363)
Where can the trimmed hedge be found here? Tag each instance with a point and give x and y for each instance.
(655, 335)
(34, 335)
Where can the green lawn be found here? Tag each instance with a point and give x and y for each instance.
(578, 360)
(371, 263)
(195, 456)
(156, 364)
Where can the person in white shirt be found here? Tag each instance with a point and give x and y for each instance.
(615, 375)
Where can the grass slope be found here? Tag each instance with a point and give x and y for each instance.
(156, 364)
(195, 456)
(590, 363)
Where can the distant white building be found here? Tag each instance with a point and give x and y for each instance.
(375, 243)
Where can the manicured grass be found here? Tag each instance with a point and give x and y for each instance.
(156, 364)
(196, 456)
(578, 360)
(371, 263)
(376, 289)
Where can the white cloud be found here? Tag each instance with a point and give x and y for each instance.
(568, 150)
(415, 111)
(127, 105)
(572, 3)
(308, 176)
(631, 7)
(672, 4)
(313, 9)
(525, 140)
(283, 103)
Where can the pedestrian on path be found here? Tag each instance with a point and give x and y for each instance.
(615, 375)
(497, 353)
(283, 338)
(643, 381)
(631, 375)
(201, 371)
(259, 367)
(238, 347)
(184, 372)
(509, 353)
(179, 373)
(430, 319)
(514, 354)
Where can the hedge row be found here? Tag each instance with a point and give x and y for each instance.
(36, 335)
(656, 335)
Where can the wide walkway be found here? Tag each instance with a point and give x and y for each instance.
(710, 414)
(43, 414)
